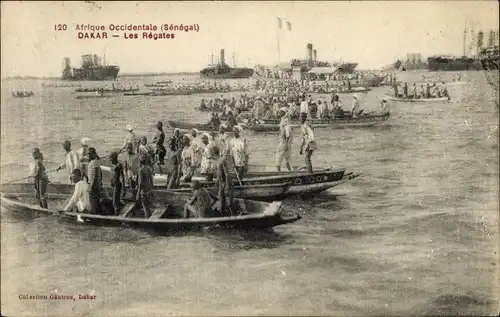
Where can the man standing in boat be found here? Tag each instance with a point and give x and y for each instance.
(71, 160)
(117, 181)
(159, 139)
(224, 181)
(308, 141)
(145, 186)
(39, 177)
(130, 139)
(83, 156)
(284, 150)
(239, 150)
(95, 181)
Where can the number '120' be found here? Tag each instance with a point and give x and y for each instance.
(60, 27)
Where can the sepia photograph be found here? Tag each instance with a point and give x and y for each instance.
(249, 158)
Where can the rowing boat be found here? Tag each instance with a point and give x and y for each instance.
(189, 126)
(436, 99)
(93, 97)
(258, 186)
(137, 93)
(269, 125)
(166, 212)
(105, 90)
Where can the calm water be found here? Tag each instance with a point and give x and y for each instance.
(416, 234)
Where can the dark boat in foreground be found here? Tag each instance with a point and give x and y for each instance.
(166, 214)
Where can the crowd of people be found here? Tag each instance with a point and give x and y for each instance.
(201, 87)
(214, 158)
(426, 91)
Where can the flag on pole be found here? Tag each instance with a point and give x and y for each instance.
(279, 23)
(289, 25)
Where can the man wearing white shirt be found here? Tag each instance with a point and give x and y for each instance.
(71, 160)
(304, 107)
(80, 198)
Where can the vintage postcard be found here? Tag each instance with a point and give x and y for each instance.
(249, 158)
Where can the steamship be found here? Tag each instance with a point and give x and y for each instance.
(222, 71)
(311, 61)
(92, 69)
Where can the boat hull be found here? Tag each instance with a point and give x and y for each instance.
(105, 90)
(252, 214)
(92, 97)
(443, 99)
(366, 121)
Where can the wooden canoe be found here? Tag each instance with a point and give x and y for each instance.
(442, 99)
(298, 180)
(348, 122)
(167, 214)
(105, 90)
(94, 97)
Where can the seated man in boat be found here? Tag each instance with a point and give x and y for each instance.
(203, 106)
(214, 120)
(80, 198)
(200, 204)
(445, 93)
(231, 120)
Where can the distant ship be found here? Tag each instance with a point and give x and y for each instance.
(462, 63)
(222, 71)
(451, 63)
(346, 68)
(92, 69)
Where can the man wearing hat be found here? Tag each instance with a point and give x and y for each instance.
(159, 139)
(130, 139)
(71, 160)
(284, 150)
(239, 149)
(95, 181)
(83, 156)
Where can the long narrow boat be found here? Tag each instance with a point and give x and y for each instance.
(137, 93)
(301, 182)
(105, 90)
(94, 97)
(188, 126)
(352, 91)
(166, 216)
(270, 125)
(436, 99)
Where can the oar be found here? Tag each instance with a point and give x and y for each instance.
(26, 177)
(237, 176)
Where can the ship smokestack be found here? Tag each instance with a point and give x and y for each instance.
(222, 60)
(309, 48)
(315, 55)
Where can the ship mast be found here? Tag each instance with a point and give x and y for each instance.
(465, 35)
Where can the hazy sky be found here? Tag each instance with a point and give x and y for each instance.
(371, 33)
